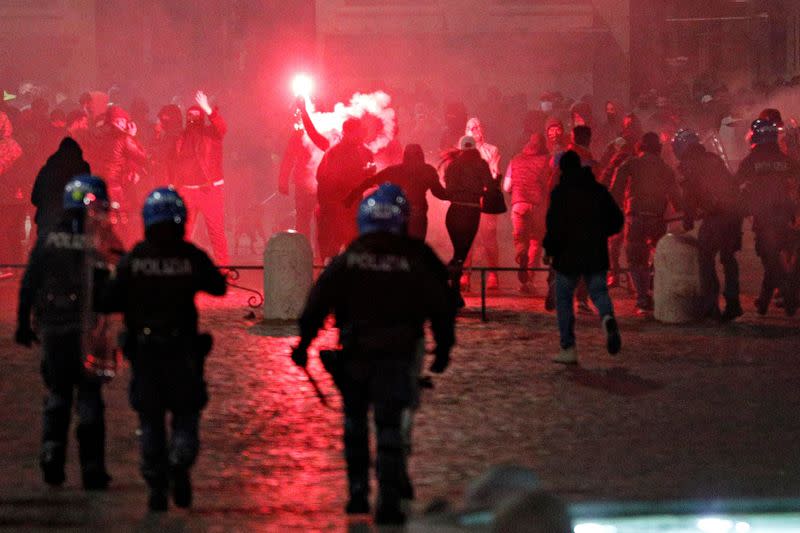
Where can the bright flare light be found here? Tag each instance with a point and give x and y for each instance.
(302, 85)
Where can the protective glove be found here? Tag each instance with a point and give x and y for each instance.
(300, 355)
(441, 362)
(25, 336)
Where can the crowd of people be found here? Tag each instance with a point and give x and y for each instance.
(40, 150)
(575, 211)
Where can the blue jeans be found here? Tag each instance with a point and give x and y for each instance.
(565, 291)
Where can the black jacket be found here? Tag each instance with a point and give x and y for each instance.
(48, 189)
(54, 280)
(155, 286)
(381, 290)
(466, 177)
(767, 178)
(708, 188)
(581, 218)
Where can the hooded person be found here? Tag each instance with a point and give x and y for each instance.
(164, 148)
(487, 231)
(48, 189)
(527, 180)
(645, 185)
(581, 217)
(465, 179)
(199, 175)
(115, 154)
(342, 168)
(416, 178)
(555, 135)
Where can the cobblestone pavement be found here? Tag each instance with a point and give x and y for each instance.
(684, 412)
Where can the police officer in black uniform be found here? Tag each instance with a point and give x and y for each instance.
(55, 287)
(766, 176)
(154, 287)
(710, 192)
(381, 290)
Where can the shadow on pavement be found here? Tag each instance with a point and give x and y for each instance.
(615, 380)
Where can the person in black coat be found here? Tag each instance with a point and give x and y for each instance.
(581, 217)
(416, 178)
(48, 189)
(381, 289)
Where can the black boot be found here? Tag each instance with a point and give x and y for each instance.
(181, 487)
(389, 513)
(733, 310)
(51, 462)
(95, 479)
(359, 498)
(157, 501)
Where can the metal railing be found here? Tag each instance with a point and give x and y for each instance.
(233, 273)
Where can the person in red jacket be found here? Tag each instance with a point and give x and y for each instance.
(199, 172)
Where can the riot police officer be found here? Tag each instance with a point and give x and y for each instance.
(710, 192)
(55, 287)
(647, 186)
(381, 290)
(766, 176)
(154, 287)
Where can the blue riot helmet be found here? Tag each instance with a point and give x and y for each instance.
(764, 132)
(386, 209)
(85, 190)
(682, 140)
(164, 205)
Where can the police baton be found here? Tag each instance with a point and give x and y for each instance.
(322, 398)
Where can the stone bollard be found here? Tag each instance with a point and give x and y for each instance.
(288, 275)
(676, 291)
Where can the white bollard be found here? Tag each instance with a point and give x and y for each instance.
(676, 291)
(288, 275)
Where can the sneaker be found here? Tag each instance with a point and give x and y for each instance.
(613, 338)
(464, 282)
(157, 501)
(567, 356)
(733, 310)
(358, 504)
(492, 283)
(181, 487)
